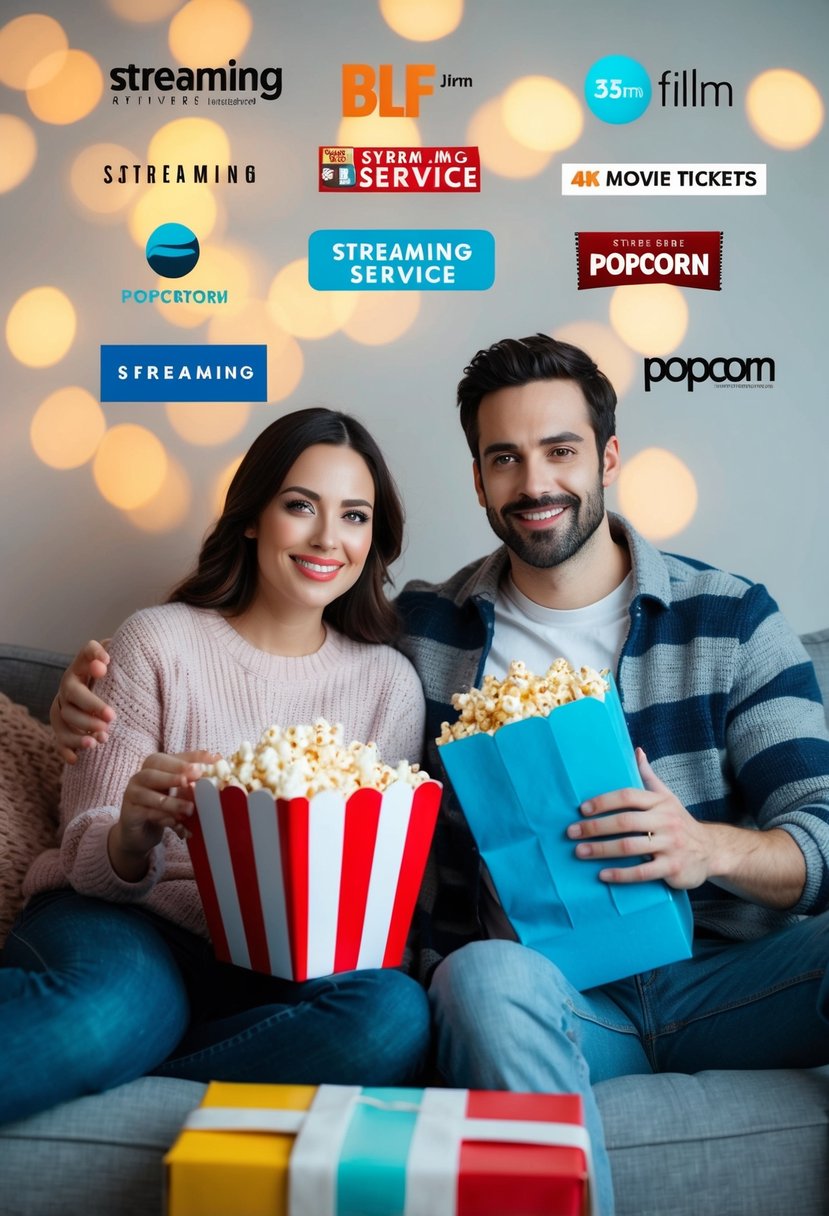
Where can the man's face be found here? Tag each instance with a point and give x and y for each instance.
(538, 474)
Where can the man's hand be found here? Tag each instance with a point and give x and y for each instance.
(766, 867)
(79, 718)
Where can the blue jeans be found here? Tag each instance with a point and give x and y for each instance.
(93, 994)
(508, 1019)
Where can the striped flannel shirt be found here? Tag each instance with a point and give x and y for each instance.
(715, 687)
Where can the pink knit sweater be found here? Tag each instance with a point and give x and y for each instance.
(182, 678)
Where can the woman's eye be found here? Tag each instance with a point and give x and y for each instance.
(357, 517)
(299, 504)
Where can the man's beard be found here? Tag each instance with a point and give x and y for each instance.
(545, 549)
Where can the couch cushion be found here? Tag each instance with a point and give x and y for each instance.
(748, 1143)
(731, 1143)
(30, 775)
(96, 1156)
(31, 676)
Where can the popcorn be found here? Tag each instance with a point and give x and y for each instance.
(520, 695)
(301, 761)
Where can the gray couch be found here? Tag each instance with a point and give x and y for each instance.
(731, 1143)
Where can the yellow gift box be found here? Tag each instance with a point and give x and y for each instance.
(227, 1174)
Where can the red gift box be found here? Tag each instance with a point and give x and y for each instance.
(306, 887)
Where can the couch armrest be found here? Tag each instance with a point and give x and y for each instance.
(31, 677)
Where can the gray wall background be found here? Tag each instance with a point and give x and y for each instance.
(74, 567)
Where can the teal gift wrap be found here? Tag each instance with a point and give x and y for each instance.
(520, 788)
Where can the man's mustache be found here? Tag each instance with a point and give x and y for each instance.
(539, 504)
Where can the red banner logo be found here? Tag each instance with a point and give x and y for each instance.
(686, 259)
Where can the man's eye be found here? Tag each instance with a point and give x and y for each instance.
(504, 458)
(562, 452)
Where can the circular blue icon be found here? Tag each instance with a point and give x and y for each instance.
(172, 250)
(617, 89)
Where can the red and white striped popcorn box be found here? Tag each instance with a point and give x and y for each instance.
(301, 887)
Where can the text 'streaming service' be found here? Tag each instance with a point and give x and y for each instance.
(401, 259)
(184, 373)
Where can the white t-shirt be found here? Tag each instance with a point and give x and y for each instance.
(592, 636)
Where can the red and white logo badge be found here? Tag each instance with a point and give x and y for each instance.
(686, 259)
(400, 170)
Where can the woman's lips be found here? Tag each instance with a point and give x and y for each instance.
(314, 568)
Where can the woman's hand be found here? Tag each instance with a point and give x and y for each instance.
(159, 796)
(79, 718)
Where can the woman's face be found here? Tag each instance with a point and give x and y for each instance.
(314, 535)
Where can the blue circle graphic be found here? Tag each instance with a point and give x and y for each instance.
(617, 89)
(172, 250)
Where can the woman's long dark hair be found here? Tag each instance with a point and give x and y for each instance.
(226, 571)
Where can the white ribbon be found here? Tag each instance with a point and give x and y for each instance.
(434, 1154)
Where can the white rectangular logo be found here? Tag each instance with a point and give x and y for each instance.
(588, 180)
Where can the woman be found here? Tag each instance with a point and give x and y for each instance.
(108, 973)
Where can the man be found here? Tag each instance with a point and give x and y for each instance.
(722, 698)
(718, 692)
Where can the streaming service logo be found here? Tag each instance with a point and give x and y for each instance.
(172, 250)
(184, 373)
(400, 170)
(401, 259)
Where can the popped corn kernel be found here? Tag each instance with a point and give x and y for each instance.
(304, 760)
(520, 694)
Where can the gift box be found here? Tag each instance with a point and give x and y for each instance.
(289, 1150)
(303, 887)
(520, 788)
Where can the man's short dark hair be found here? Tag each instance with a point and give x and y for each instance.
(515, 361)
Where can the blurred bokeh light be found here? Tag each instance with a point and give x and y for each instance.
(17, 139)
(207, 425)
(784, 108)
(222, 484)
(40, 327)
(189, 141)
(210, 32)
(542, 113)
(382, 316)
(255, 324)
(499, 151)
(70, 93)
(376, 132)
(657, 493)
(86, 179)
(130, 466)
(168, 507)
(32, 48)
(143, 11)
(300, 310)
(605, 348)
(651, 318)
(194, 206)
(67, 428)
(422, 20)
